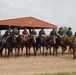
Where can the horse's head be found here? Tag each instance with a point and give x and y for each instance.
(20, 38)
(11, 38)
(31, 40)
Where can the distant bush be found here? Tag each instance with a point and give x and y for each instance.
(73, 73)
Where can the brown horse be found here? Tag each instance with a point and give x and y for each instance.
(71, 42)
(19, 44)
(29, 43)
(9, 44)
(47, 41)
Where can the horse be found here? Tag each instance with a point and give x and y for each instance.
(47, 42)
(71, 42)
(59, 43)
(9, 44)
(19, 44)
(39, 43)
(30, 42)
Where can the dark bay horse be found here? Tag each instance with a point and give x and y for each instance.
(19, 44)
(9, 44)
(59, 43)
(30, 42)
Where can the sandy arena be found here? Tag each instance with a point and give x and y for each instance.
(37, 65)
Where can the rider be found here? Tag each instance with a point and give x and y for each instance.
(33, 32)
(25, 34)
(69, 32)
(53, 32)
(41, 34)
(6, 35)
(60, 32)
(15, 31)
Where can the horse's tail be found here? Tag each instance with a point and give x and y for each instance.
(74, 42)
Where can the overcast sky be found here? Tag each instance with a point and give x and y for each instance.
(58, 12)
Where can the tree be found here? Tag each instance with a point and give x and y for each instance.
(65, 29)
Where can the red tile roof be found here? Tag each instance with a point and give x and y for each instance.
(27, 22)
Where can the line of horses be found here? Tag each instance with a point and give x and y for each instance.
(37, 42)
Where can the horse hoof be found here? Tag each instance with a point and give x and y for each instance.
(46, 53)
(7, 56)
(73, 58)
(42, 53)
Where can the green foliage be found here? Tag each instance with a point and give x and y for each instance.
(73, 73)
(65, 29)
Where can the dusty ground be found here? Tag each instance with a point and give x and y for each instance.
(37, 65)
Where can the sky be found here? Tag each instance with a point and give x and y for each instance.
(58, 12)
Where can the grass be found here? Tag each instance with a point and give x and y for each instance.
(73, 73)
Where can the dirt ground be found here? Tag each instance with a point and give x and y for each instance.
(37, 65)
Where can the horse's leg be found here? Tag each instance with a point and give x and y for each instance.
(56, 51)
(22, 50)
(15, 52)
(64, 48)
(12, 51)
(18, 51)
(62, 51)
(69, 50)
(8, 52)
(29, 51)
(26, 50)
(40, 50)
(0, 52)
(50, 50)
(53, 51)
(74, 53)
(43, 50)
(46, 49)
(35, 51)
(5, 52)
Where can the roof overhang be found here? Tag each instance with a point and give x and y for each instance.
(28, 22)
